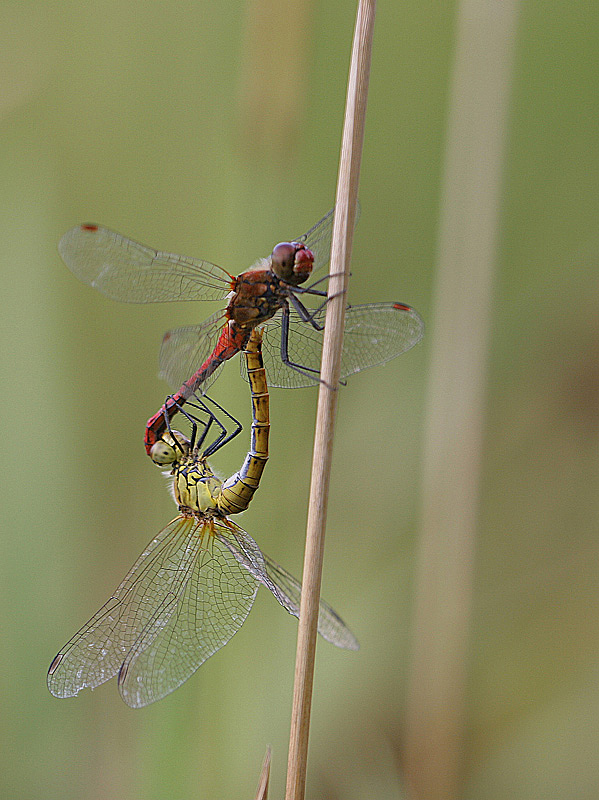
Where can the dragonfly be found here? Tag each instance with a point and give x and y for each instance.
(193, 587)
(270, 293)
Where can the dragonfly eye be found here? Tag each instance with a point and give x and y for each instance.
(170, 449)
(162, 454)
(292, 262)
(282, 258)
(304, 260)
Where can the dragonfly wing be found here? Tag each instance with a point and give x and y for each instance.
(374, 333)
(185, 350)
(243, 547)
(96, 652)
(288, 590)
(284, 586)
(377, 332)
(305, 344)
(209, 609)
(133, 273)
(318, 239)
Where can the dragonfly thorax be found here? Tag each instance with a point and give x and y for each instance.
(196, 488)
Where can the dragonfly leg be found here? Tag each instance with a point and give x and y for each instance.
(174, 404)
(309, 315)
(170, 403)
(310, 372)
(194, 421)
(311, 290)
(224, 434)
(200, 404)
(308, 290)
(225, 437)
(157, 424)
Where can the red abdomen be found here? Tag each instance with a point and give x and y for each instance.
(232, 340)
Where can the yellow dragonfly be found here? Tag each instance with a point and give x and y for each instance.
(192, 588)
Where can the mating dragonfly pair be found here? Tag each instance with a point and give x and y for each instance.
(194, 585)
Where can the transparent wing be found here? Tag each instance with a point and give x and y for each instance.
(133, 273)
(96, 652)
(284, 586)
(288, 590)
(185, 350)
(210, 608)
(242, 546)
(374, 333)
(318, 239)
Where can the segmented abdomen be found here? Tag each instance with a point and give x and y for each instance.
(238, 490)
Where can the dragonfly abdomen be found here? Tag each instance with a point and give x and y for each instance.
(231, 341)
(237, 492)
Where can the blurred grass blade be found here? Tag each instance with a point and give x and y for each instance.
(262, 790)
(457, 387)
(275, 34)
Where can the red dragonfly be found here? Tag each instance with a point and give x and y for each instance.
(267, 293)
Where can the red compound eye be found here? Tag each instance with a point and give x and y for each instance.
(303, 261)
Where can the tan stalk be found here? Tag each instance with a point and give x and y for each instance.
(457, 385)
(262, 790)
(343, 226)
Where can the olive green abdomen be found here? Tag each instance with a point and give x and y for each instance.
(238, 490)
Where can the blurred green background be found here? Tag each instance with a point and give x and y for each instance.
(212, 129)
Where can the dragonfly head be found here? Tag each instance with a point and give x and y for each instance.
(292, 262)
(170, 449)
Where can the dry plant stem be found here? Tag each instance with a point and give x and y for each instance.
(272, 134)
(456, 396)
(262, 790)
(343, 226)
